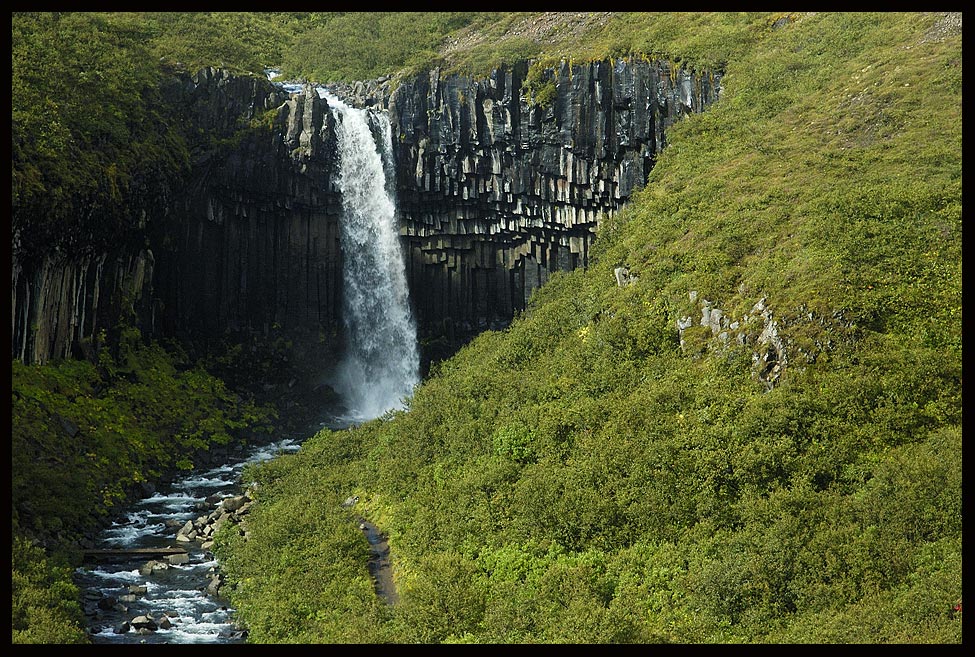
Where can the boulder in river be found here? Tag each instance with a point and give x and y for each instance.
(144, 622)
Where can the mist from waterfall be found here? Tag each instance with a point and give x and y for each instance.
(381, 364)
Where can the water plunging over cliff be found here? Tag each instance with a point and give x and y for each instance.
(381, 364)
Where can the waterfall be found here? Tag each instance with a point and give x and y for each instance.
(381, 363)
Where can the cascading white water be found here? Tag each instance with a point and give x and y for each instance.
(381, 364)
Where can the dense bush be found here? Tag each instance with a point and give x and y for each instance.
(45, 606)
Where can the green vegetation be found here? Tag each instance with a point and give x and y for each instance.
(85, 118)
(365, 45)
(84, 438)
(45, 601)
(242, 42)
(86, 435)
(578, 477)
(539, 85)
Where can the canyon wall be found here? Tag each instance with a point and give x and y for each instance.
(256, 241)
(496, 189)
(248, 241)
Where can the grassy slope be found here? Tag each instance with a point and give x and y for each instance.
(578, 478)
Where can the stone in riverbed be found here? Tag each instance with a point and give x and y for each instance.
(177, 559)
(144, 623)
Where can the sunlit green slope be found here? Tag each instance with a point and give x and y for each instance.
(585, 477)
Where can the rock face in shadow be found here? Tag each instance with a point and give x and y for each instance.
(60, 304)
(496, 191)
(256, 242)
(248, 240)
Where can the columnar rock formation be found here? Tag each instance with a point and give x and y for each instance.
(249, 241)
(257, 242)
(60, 304)
(495, 193)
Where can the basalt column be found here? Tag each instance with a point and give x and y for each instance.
(497, 192)
(257, 246)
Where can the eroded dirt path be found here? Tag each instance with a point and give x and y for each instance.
(379, 564)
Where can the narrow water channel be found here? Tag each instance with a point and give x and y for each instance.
(142, 599)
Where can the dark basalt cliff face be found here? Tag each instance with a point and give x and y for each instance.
(249, 242)
(256, 242)
(494, 192)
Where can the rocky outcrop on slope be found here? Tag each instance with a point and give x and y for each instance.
(774, 340)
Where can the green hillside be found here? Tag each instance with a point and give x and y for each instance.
(608, 468)
(584, 477)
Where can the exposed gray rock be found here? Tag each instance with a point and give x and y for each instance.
(234, 503)
(623, 276)
(144, 622)
(249, 239)
(152, 566)
(761, 331)
(213, 588)
(498, 193)
(178, 559)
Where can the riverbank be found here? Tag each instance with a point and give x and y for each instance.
(163, 586)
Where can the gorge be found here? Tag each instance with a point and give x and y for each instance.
(536, 328)
(495, 192)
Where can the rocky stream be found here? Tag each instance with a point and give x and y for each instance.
(151, 577)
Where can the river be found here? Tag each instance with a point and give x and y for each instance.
(175, 596)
